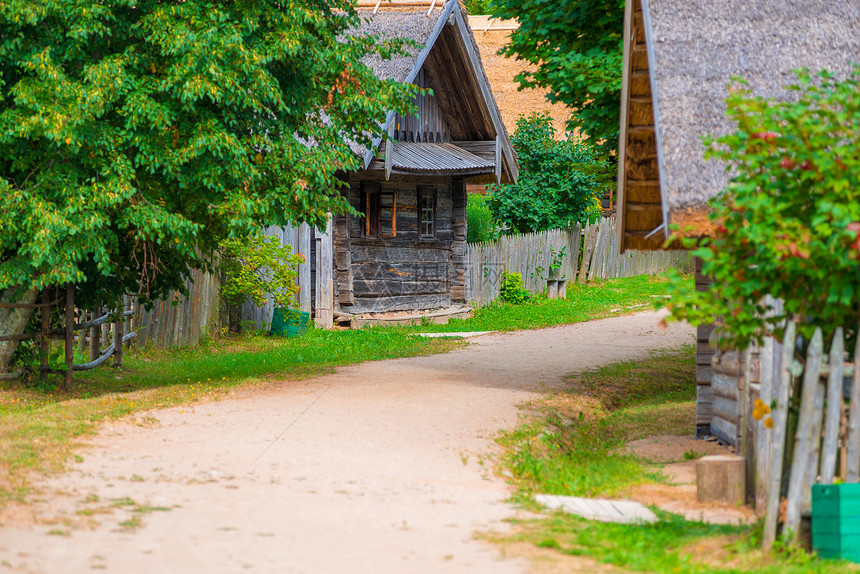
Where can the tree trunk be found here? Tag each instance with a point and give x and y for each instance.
(13, 322)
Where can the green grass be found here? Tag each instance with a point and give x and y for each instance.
(573, 449)
(671, 545)
(598, 300)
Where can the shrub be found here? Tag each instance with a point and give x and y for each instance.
(788, 224)
(480, 225)
(559, 182)
(259, 268)
(513, 290)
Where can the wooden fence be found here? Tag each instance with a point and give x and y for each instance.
(789, 449)
(180, 320)
(584, 254)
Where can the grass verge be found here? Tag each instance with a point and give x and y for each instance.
(599, 300)
(573, 449)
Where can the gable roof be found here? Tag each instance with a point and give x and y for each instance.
(491, 35)
(449, 51)
(679, 58)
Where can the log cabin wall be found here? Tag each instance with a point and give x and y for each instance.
(704, 369)
(404, 272)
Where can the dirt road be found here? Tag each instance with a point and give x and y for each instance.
(381, 467)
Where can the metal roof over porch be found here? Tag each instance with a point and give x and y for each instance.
(441, 158)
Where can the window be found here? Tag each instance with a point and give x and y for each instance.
(380, 211)
(426, 213)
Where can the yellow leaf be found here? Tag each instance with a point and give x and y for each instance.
(68, 141)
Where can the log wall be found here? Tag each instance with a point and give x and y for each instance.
(405, 272)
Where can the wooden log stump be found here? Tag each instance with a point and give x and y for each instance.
(721, 478)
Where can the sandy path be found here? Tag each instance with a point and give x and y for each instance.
(377, 468)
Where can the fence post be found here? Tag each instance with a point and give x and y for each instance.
(803, 439)
(117, 338)
(852, 471)
(44, 342)
(780, 420)
(70, 334)
(834, 409)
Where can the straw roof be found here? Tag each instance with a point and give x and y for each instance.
(680, 57)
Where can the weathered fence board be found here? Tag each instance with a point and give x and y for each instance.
(589, 253)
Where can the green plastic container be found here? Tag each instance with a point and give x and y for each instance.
(289, 323)
(836, 521)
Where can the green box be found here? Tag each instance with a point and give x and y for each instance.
(289, 323)
(836, 521)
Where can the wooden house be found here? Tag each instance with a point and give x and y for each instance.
(679, 58)
(407, 252)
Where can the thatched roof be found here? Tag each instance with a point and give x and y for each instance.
(415, 26)
(685, 54)
(450, 58)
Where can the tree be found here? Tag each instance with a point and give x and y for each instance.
(557, 186)
(576, 47)
(134, 133)
(788, 224)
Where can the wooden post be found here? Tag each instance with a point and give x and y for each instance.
(803, 438)
(70, 334)
(852, 456)
(780, 422)
(721, 478)
(95, 336)
(44, 342)
(117, 339)
(834, 409)
(325, 310)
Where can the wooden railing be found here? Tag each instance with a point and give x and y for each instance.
(97, 356)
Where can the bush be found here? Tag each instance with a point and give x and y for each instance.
(788, 224)
(259, 268)
(560, 182)
(513, 290)
(480, 225)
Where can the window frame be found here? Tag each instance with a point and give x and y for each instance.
(423, 192)
(372, 196)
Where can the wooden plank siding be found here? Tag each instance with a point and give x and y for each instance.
(591, 253)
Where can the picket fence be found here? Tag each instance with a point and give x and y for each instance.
(786, 452)
(584, 254)
(181, 320)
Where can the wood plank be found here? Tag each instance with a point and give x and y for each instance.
(835, 404)
(782, 392)
(852, 470)
(803, 439)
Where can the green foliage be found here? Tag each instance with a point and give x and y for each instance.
(135, 133)
(480, 225)
(788, 224)
(512, 290)
(556, 187)
(576, 47)
(260, 267)
(477, 6)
